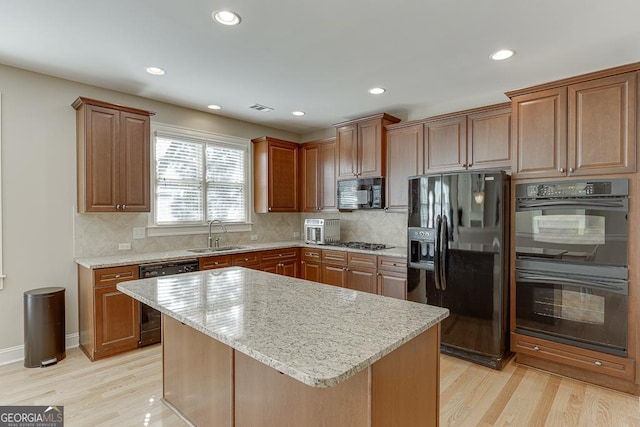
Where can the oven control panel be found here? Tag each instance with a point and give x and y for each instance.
(573, 189)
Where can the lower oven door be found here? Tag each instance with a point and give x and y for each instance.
(584, 311)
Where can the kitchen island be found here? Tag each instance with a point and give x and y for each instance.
(247, 348)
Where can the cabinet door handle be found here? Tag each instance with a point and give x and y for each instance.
(470, 164)
(570, 170)
(117, 207)
(561, 170)
(597, 363)
(269, 207)
(536, 348)
(301, 262)
(464, 165)
(124, 207)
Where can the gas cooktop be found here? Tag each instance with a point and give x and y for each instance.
(361, 245)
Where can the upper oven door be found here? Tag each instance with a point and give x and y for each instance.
(580, 230)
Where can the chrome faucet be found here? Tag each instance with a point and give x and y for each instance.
(217, 240)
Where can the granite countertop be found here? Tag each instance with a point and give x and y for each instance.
(318, 334)
(143, 258)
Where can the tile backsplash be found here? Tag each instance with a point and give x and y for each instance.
(99, 234)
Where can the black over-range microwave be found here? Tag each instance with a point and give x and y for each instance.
(364, 193)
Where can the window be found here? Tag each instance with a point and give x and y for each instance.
(198, 177)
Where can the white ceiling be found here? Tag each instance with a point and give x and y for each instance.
(432, 56)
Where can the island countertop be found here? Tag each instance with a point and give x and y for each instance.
(318, 334)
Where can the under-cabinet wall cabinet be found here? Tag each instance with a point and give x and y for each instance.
(584, 128)
(275, 175)
(113, 157)
(361, 146)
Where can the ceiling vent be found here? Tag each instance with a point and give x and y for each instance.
(259, 107)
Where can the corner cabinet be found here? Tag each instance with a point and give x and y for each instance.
(113, 157)
(584, 128)
(275, 175)
(361, 146)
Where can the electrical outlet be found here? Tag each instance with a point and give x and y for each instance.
(139, 232)
(296, 234)
(124, 246)
(254, 237)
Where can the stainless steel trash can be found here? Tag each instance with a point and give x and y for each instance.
(44, 327)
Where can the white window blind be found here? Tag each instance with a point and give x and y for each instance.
(199, 177)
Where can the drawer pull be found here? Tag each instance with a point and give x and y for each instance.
(536, 348)
(117, 276)
(597, 363)
(215, 263)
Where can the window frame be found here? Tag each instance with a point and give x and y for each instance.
(164, 130)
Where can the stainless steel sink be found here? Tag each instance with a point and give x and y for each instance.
(220, 249)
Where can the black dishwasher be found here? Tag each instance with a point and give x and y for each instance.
(150, 319)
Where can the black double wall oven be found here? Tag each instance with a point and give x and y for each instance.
(572, 263)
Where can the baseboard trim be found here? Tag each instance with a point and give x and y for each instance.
(16, 354)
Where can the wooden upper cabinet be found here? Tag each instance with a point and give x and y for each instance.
(405, 147)
(275, 176)
(489, 139)
(584, 127)
(310, 164)
(361, 147)
(318, 176)
(602, 125)
(540, 134)
(347, 147)
(445, 144)
(328, 189)
(113, 156)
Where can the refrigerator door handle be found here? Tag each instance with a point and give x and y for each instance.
(436, 253)
(444, 243)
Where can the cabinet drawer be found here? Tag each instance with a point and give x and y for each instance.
(250, 258)
(334, 257)
(114, 275)
(279, 255)
(389, 263)
(208, 263)
(361, 260)
(311, 254)
(615, 366)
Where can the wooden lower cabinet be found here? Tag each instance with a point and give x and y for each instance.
(211, 262)
(248, 260)
(281, 261)
(109, 321)
(361, 272)
(360, 279)
(335, 275)
(392, 277)
(311, 264)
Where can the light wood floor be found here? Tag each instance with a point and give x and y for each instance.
(125, 390)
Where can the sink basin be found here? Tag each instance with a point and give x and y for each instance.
(220, 249)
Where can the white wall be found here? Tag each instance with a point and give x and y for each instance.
(39, 184)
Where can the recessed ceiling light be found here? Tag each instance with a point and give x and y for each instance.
(502, 54)
(214, 107)
(377, 90)
(298, 113)
(156, 71)
(226, 17)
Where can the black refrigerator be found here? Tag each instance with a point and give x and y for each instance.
(458, 256)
